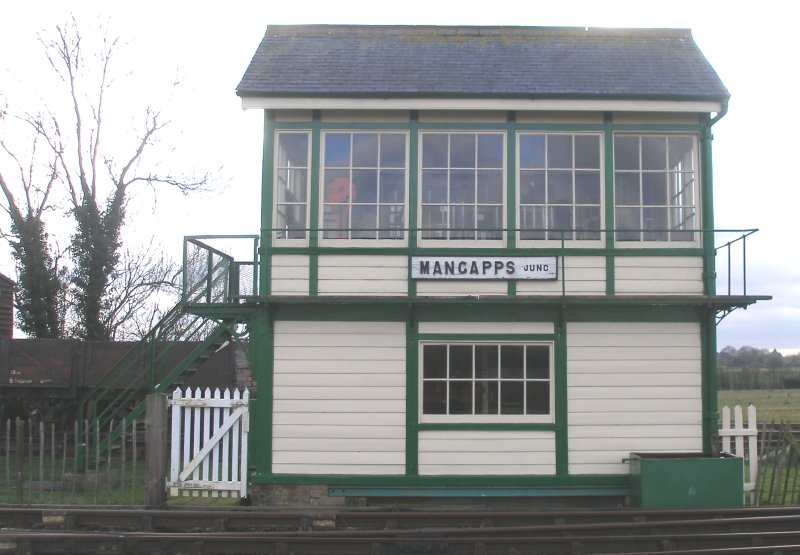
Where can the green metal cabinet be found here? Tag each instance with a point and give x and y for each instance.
(686, 480)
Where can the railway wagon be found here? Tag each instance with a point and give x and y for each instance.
(45, 378)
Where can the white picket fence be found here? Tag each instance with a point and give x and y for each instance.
(738, 433)
(209, 443)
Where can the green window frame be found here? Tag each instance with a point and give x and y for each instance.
(462, 192)
(656, 188)
(486, 382)
(364, 185)
(291, 189)
(560, 186)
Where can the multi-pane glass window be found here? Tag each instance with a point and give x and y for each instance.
(364, 185)
(486, 378)
(462, 182)
(291, 185)
(655, 187)
(559, 186)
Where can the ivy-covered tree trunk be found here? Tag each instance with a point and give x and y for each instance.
(40, 288)
(39, 297)
(106, 285)
(95, 253)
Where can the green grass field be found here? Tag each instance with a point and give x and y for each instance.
(771, 404)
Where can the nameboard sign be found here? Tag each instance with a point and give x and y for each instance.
(484, 267)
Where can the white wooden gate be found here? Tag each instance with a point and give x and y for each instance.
(209, 443)
(738, 432)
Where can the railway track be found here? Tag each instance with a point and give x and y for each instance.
(376, 532)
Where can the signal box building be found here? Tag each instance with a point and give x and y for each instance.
(487, 258)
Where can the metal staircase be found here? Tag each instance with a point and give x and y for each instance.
(185, 338)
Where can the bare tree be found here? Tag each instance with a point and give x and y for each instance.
(41, 281)
(97, 181)
(142, 288)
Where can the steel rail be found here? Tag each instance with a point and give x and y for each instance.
(215, 542)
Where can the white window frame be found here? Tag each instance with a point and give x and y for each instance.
(277, 168)
(698, 221)
(548, 418)
(457, 243)
(362, 241)
(547, 241)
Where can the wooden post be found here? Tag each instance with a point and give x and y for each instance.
(155, 449)
(18, 456)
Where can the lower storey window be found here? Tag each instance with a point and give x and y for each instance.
(477, 379)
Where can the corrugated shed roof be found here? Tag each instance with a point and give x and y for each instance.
(492, 62)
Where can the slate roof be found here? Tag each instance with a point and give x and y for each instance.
(491, 62)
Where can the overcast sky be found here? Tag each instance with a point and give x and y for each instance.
(207, 47)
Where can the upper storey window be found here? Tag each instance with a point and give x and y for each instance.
(462, 186)
(364, 185)
(655, 187)
(291, 185)
(559, 186)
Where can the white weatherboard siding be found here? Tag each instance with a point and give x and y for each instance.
(456, 288)
(654, 275)
(363, 275)
(486, 327)
(583, 275)
(339, 398)
(631, 387)
(486, 453)
(289, 274)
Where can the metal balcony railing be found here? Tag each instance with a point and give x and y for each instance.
(731, 253)
(727, 246)
(219, 268)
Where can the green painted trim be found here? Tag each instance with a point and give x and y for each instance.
(511, 289)
(267, 176)
(632, 313)
(513, 310)
(511, 181)
(334, 480)
(412, 400)
(487, 311)
(413, 172)
(708, 350)
(561, 409)
(497, 251)
(511, 191)
(608, 181)
(262, 342)
(496, 491)
(365, 312)
(314, 210)
(707, 210)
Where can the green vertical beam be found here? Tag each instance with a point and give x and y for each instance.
(708, 355)
(709, 321)
(314, 216)
(412, 394)
(511, 189)
(608, 181)
(707, 210)
(261, 359)
(561, 409)
(267, 173)
(413, 193)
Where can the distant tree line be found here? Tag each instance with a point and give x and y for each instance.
(751, 368)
